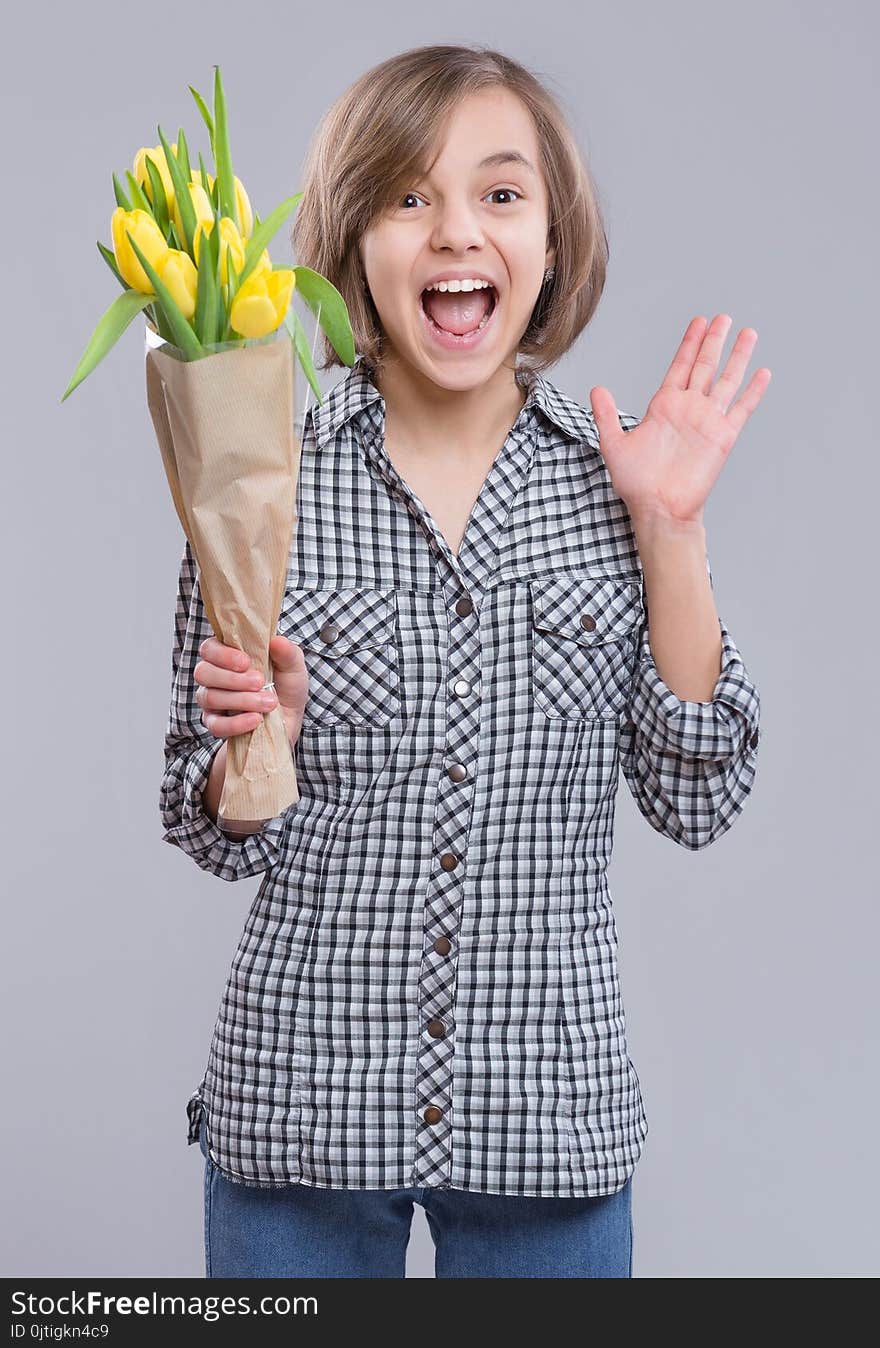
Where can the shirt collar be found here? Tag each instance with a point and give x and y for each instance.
(356, 391)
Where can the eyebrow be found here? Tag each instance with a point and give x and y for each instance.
(506, 157)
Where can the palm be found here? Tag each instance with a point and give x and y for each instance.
(669, 463)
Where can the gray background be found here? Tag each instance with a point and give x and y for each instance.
(735, 152)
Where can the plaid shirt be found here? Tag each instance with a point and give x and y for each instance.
(425, 991)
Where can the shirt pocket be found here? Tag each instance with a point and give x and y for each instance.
(350, 645)
(585, 633)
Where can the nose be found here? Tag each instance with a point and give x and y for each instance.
(457, 228)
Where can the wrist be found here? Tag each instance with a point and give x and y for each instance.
(655, 526)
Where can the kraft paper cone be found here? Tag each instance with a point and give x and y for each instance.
(225, 427)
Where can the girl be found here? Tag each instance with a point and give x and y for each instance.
(495, 597)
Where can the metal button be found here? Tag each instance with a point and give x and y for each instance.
(329, 632)
(461, 688)
(449, 861)
(443, 945)
(588, 622)
(457, 772)
(464, 607)
(433, 1114)
(436, 1029)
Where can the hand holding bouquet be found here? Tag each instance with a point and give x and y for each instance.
(192, 256)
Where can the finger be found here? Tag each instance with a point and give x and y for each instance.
(217, 676)
(222, 700)
(680, 370)
(604, 413)
(709, 353)
(731, 378)
(230, 657)
(223, 727)
(745, 405)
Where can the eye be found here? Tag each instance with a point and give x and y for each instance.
(508, 191)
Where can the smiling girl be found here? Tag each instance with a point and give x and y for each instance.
(496, 598)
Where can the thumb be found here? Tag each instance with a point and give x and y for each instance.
(605, 414)
(285, 655)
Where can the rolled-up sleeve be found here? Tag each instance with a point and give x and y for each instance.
(189, 753)
(691, 765)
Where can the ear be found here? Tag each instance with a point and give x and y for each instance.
(550, 257)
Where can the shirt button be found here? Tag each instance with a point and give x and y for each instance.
(329, 632)
(436, 1028)
(457, 771)
(449, 861)
(588, 622)
(433, 1114)
(463, 607)
(443, 945)
(461, 688)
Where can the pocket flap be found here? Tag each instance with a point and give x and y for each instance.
(586, 609)
(337, 622)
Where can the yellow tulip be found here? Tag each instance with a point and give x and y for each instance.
(261, 303)
(245, 214)
(201, 205)
(242, 202)
(148, 237)
(229, 239)
(178, 271)
(139, 172)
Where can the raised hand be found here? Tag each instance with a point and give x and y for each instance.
(667, 465)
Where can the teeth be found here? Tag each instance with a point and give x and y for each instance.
(455, 286)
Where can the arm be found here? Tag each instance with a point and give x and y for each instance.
(688, 746)
(195, 760)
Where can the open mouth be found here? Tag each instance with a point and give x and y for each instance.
(453, 340)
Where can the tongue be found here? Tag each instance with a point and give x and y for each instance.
(460, 311)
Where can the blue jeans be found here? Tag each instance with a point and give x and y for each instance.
(305, 1232)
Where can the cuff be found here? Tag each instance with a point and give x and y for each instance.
(715, 730)
(197, 834)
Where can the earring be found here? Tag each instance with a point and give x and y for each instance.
(549, 274)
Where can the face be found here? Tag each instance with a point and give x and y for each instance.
(464, 217)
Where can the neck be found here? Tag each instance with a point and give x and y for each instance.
(430, 421)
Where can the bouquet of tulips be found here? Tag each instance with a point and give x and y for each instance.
(191, 255)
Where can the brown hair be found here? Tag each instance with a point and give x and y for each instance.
(380, 134)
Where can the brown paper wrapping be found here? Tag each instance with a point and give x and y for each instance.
(225, 427)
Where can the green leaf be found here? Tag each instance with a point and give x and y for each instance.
(182, 334)
(122, 197)
(301, 346)
(232, 285)
(110, 328)
(181, 191)
(160, 201)
(222, 155)
(160, 323)
(140, 200)
(110, 258)
(204, 173)
(208, 298)
(183, 155)
(206, 115)
(264, 232)
(317, 292)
